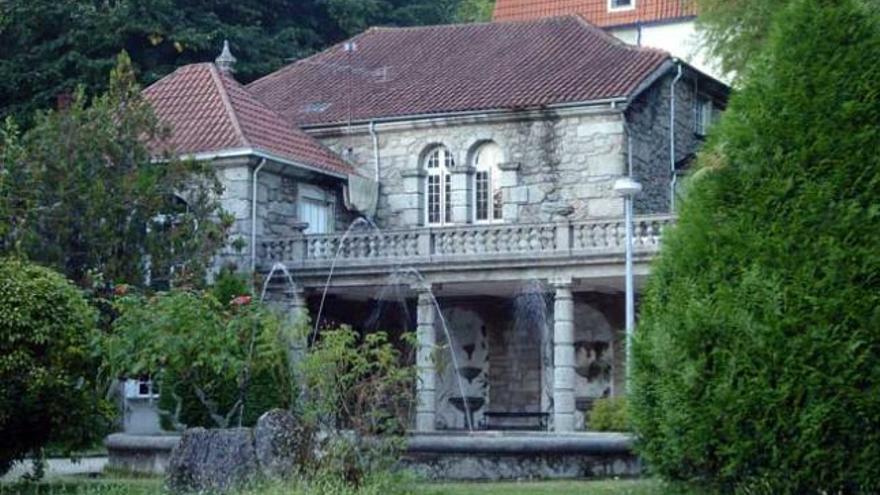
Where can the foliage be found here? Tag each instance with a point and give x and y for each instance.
(756, 357)
(81, 193)
(358, 382)
(51, 47)
(47, 365)
(362, 384)
(609, 414)
(215, 365)
(475, 10)
(735, 31)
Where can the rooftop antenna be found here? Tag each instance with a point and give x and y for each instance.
(226, 61)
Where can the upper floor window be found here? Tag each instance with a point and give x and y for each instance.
(438, 186)
(621, 4)
(704, 115)
(488, 203)
(317, 208)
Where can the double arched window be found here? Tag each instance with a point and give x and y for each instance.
(439, 164)
(487, 183)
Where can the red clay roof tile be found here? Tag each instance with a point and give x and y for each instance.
(439, 69)
(595, 11)
(208, 111)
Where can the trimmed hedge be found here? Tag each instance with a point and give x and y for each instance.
(757, 360)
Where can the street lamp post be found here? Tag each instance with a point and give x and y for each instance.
(628, 188)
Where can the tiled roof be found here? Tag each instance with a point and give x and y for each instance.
(595, 11)
(208, 111)
(428, 70)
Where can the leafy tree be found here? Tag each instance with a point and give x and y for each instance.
(737, 30)
(216, 365)
(475, 10)
(83, 194)
(756, 357)
(47, 365)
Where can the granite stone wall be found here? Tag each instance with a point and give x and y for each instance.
(278, 193)
(555, 167)
(648, 121)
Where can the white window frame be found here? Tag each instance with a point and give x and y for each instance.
(619, 8)
(438, 165)
(133, 389)
(703, 115)
(309, 192)
(494, 212)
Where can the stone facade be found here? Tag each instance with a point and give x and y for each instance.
(558, 164)
(279, 192)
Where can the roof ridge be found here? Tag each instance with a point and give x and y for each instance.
(227, 104)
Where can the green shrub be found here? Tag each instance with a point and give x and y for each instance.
(756, 360)
(363, 384)
(216, 365)
(609, 414)
(47, 369)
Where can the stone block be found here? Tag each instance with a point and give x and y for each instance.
(599, 127)
(213, 461)
(281, 443)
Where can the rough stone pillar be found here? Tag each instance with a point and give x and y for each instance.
(563, 357)
(426, 401)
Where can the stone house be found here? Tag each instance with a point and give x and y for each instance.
(484, 157)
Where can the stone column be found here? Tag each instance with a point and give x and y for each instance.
(563, 357)
(426, 386)
(462, 194)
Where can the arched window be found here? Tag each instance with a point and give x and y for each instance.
(488, 202)
(438, 186)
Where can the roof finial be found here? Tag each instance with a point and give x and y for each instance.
(226, 60)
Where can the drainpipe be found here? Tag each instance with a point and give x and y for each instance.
(375, 137)
(672, 137)
(254, 216)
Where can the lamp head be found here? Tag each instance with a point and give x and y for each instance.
(627, 187)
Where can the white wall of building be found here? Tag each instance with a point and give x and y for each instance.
(681, 39)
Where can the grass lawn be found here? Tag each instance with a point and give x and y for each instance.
(609, 487)
(153, 486)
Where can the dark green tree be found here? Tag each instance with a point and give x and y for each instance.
(48, 390)
(51, 47)
(735, 31)
(82, 193)
(756, 359)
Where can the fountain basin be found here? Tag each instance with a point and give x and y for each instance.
(490, 455)
(484, 455)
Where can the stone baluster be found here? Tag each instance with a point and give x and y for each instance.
(563, 237)
(426, 395)
(424, 243)
(563, 357)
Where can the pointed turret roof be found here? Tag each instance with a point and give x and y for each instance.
(210, 112)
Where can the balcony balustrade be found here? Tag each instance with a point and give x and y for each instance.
(467, 243)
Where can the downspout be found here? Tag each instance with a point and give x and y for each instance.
(254, 216)
(375, 137)
(674, 180)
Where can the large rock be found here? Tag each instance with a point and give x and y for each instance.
(281, 443)
(213, 461)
